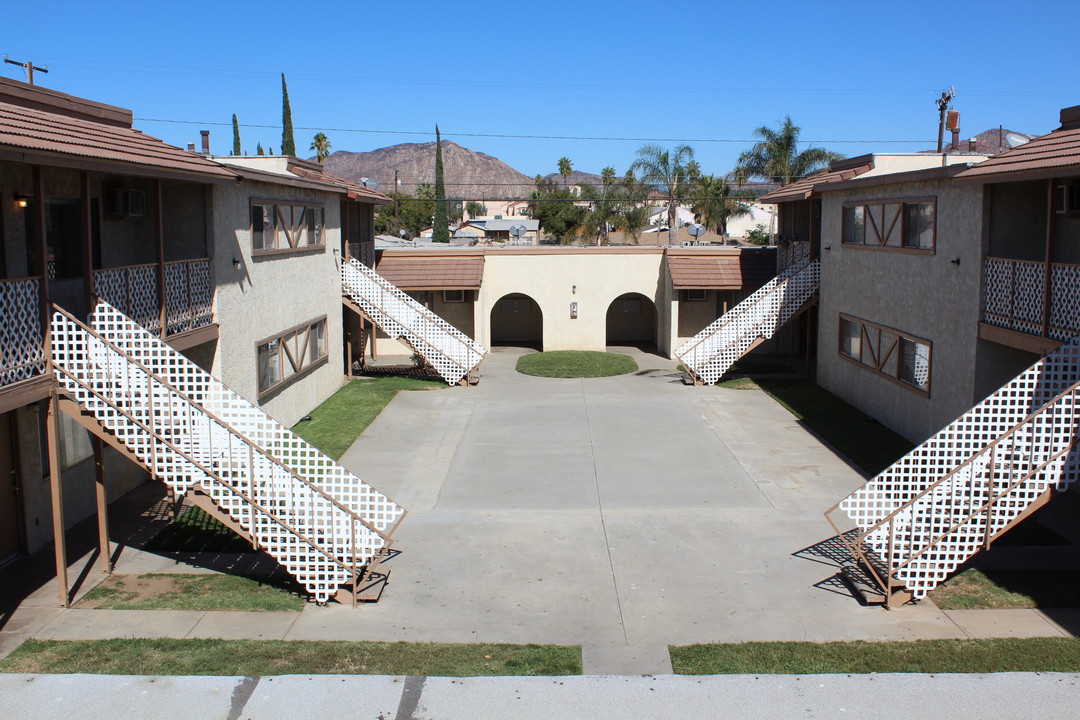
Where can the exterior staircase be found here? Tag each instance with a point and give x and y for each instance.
(449, 351)
(710, 353)
(967, 485)
(322, 523)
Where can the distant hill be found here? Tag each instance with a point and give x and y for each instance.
(469, 175)
(576, 178)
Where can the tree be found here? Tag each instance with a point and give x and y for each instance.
(235, 136)
(259, 149)
(715, 202)
(414, 213)
(607, 203)
(668, 173)
(288, 143)
(565, 168)
(777, 158)
(440, 225)
(321, 145)
(555, 208)
(475, 209)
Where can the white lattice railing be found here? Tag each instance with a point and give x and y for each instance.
(1014, 297)
(710, 353)
(317, 519)
(792, 253)
(951, 496)
(133, 289)
(452, 353)
(22, 350)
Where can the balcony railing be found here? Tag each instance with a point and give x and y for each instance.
(133, 291)
(1015, 297)
(22, 351)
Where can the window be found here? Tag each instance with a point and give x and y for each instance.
(453, 296)
(290, 354)
(695, 295)
(886, 351)
(898, 224)
(281, 227)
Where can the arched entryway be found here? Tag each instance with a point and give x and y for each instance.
(631, 320)
(516, 319)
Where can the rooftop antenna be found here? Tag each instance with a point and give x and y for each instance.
(28, 66)
(943, 106)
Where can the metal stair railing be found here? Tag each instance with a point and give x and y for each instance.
(923, 525)
(318, 539)
(710, 353)
(452, 353)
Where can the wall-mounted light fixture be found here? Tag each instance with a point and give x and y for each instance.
(20, 201)
(828, 247)
(573, 289)
(956, 262)
(236, 263)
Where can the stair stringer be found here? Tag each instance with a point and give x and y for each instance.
(452, 353)
(952, 495)
(710, 353)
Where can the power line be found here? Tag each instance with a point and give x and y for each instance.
(528, 137)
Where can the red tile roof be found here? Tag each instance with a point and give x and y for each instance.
(433, 273)
(1058, 151)
(313, 171)
(51, 133)
(721, 270)
(802, 189)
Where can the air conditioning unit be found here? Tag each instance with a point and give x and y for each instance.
(122, 203)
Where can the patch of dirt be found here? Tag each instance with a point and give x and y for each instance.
(129, 588)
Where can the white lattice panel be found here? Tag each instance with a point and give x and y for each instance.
(133, 290)
(22, 352)
(452, 353)
(1023, 434)
(188, 428)
(712, 351)
(1064, 301)
(793, 254)
(1013, 292)
(188, 295)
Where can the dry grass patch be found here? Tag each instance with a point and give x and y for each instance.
(161, 591)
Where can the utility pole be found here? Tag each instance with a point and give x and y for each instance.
(29, 67)
(943, 106)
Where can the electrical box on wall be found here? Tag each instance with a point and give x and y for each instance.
(573, 310)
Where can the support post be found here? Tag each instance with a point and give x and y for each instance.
(59, 539)
(1047, 295)
(159, 236)
(86, 235)
(102, 505)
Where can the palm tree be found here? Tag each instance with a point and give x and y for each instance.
(321, 146)
(715, 202)
(777, 158)
(668, 173)
(606, 202)
(565, 168)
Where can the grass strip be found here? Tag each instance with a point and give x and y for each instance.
(163, 656)
(575, 364)
(166, 591)
(336, 423)
(868, 443)
(975, 589)
(1057, 654)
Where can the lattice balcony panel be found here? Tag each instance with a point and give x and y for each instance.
(22, 350)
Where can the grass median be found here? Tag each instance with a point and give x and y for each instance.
(144, 656)
(575, 364)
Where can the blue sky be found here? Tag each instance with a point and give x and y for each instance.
(704, 72)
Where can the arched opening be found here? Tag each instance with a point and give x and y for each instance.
(516, 319)
(631, 320)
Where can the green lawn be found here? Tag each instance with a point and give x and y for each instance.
(575, 364)
(166, 591)
(922, 656)
(975, 589)
(140, 656)
(869, 444)
(336, 423)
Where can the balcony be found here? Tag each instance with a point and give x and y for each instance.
(22, 350)
(1030, 298)
(188, 293)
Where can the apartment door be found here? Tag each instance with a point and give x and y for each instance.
(9, 509)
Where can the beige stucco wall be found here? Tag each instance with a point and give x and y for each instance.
(272, 293)
(927, 296)
(550, 275)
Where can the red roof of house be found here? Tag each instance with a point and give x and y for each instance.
(313, 171)
(720, 269)
(433, 272)
(802, 189)
(1058, 151)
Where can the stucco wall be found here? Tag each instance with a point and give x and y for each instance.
(927, 296)
(592, 277)
(272, 293)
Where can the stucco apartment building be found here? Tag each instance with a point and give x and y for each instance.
(233, 262)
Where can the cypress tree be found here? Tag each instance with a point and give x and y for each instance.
(288, 144)
(259, 149)
(235, 136)
(440, 232)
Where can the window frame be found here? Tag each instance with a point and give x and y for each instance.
(447, 297)
(879, 358)
(301, 227)
(892, 225)
(299, 367)
(687, 295)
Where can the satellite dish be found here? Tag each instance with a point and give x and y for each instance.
(1015, 139)
(517, 230)
(697, 230)
(369, 183)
